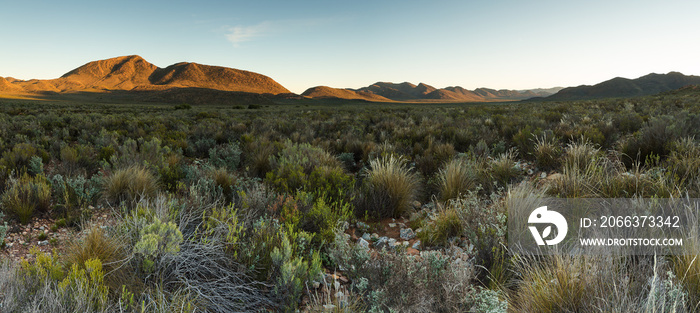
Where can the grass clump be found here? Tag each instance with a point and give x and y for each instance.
(389, 187)
(456, 178)
(99, 246)
(448, 224)
(504, 168)
(547, 152)
(26, 195)
(130, 185)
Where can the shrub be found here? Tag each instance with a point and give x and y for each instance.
(227, 156)
(684, 160)
(447, 225)
(73, 196)
(36, 166)
(3, 230)
(457, 177)
(295, 163)
(579, 155)
(156, 240)
(226, 181)
(109, 251)
(20, 155)
(130, 185)
(25, 195)
(389, 188)
(292, 274)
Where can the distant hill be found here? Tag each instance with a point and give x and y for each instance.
(622, 87)
(324, 92)
(133, 73)
(385, 91)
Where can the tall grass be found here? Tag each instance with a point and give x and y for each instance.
(390, 187)
(25, 195)
(130, 185)
(456, 178)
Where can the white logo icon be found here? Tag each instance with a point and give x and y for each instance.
(542, 216)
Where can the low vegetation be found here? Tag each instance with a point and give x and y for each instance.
(225, 209)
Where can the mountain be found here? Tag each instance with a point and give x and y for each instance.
(324, 92)
(133, 73)
(622, 87)
(385, 91)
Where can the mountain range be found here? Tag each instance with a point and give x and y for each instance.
(623, 87)
(135, 78)
(385, 91)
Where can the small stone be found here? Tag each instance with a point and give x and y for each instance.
(420, 229)
(362, 243)
(9, 244)
(374, 236)
(530, 171)
(43, 243)
(405, 243)
(329, 307)
(366, 236)
(407, 234)
(362, 226)
(382, 242)
(24, 233)
(392, 225)
(416, 245)
(41, 228)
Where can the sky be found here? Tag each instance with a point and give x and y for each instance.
(497, 44)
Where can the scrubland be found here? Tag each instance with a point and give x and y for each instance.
(276, 207)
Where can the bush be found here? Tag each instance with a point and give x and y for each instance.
(3, 230)
(19, 157)
(389, 188)
(25, 195)
(447, 225)
(156, 240)
(73, 196)
(110, 252)
(227, 156)
(130, 185)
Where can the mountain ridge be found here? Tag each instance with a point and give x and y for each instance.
(619, 87)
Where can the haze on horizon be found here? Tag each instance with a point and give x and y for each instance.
(301, 44)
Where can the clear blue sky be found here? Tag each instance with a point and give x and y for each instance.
(350, 44)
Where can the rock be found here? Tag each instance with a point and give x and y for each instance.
(362, 243)
(407, 234)
(416, 204)
(366, 236)
(416, 245)
(362, 226)
(392, 225)
(419, 230)
(382, 242)
(530, 171)
(374, 236)
(43, 243)
(543, 175)
(405, 243)
(411, 251)
(41, 228)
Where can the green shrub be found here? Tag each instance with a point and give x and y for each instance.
(130, 185)
(389, 188)
(73, 196)
(3, 230)
(20, 156)
(157, 239)
(322, 219)
(447, 225)
(227, 156)
(292, 274)
(25, 195)
(36, 166)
